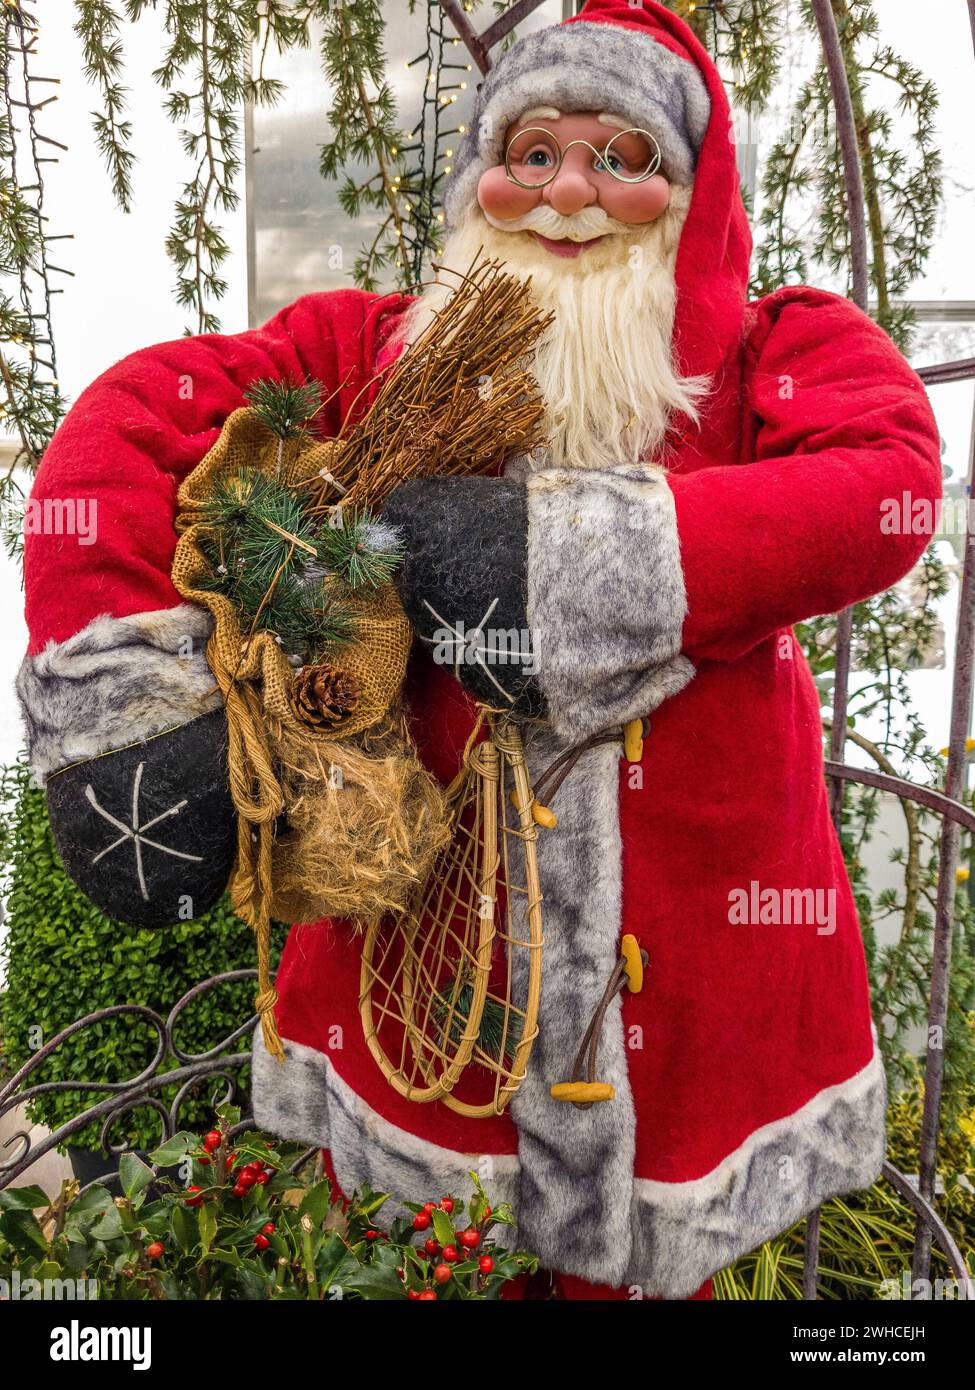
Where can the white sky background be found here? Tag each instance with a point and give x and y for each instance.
(121, 295)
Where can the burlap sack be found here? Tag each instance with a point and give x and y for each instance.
(377, 655)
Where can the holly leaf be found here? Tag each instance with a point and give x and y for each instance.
(21, 1229)
(316, 1202)
(225, 1257)
(108, 1226)
(134, 1175)
(330, 1258)
(206, 1220)
(175, 1290)
(443, 1227)
(375, 1282)
(184, 1228)
(96, 1199)
(251, 1285)
(174, 1150)
(23, 1199)
(503, 1215)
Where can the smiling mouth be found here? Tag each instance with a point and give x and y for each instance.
(565, 247)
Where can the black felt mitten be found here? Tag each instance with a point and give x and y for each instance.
(463, 582)
(148, 832)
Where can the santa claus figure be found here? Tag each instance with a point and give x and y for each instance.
(715, 473)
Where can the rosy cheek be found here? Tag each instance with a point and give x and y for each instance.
(637, 202)
(501, 198)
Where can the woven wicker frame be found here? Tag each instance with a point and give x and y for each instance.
(469, 943)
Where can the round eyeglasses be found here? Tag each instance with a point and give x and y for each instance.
(533, 157)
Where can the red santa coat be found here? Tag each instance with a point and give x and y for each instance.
(748, 1083)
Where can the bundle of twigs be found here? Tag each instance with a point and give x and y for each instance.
(458, 400)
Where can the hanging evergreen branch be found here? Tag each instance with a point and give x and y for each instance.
(902, 180)
(745, 39)
(97, 26)
(365, 131)
(211, 40)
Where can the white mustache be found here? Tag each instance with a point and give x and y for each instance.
(577, 226)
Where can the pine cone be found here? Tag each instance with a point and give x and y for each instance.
(321, 695)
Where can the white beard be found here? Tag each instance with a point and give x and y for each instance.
(605, 367)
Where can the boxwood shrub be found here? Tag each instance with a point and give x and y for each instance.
(62, 959)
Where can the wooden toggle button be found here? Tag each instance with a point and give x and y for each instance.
(633, 741)
(634, 961)
(541, 815)
(585, 1092)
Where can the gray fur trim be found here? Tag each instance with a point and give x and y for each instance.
(684, 1232)
(674, 1235)
(577, 1165)
(585, 67)
(117, 681)
(304, 1099)
(606, 597)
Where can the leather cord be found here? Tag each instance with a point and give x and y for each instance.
(549, 781)
(584, 1066)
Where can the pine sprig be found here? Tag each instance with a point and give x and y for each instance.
(263, 557)
(360, 549)
(285, 407)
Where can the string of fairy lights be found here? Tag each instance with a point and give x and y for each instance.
(444, 79)
(30, 404)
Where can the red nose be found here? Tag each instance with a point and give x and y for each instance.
(569, 192)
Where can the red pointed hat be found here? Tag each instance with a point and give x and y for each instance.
(628, 58)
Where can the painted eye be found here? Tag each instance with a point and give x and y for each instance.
(539, 159)
(610, 163)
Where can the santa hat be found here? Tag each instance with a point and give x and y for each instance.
(615, 56)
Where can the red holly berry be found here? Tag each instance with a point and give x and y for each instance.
(469, 1239)
(485, 1264)
(421, 1221)
(240, 1190)
(194, 1201)
(372, 1235)
(431, 1246)
(412, 1295)
(429, 1206)
(446, 1204)
(156, 1250)
(487, 1213)
(203, 1160)
(268, 1228)
(230, 1160)
(261, 1241)
(450, 1253)
(211, 1141)
(427, 1295)
(263, 1178)
(246, 1177)
(442, 1273)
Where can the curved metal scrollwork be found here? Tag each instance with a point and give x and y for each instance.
(193, 1070)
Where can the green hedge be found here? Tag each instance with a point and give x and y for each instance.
(63, 959)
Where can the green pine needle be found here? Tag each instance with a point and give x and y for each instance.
(284, 406)
(262, 556)
(493, 1038)
(362, 550)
